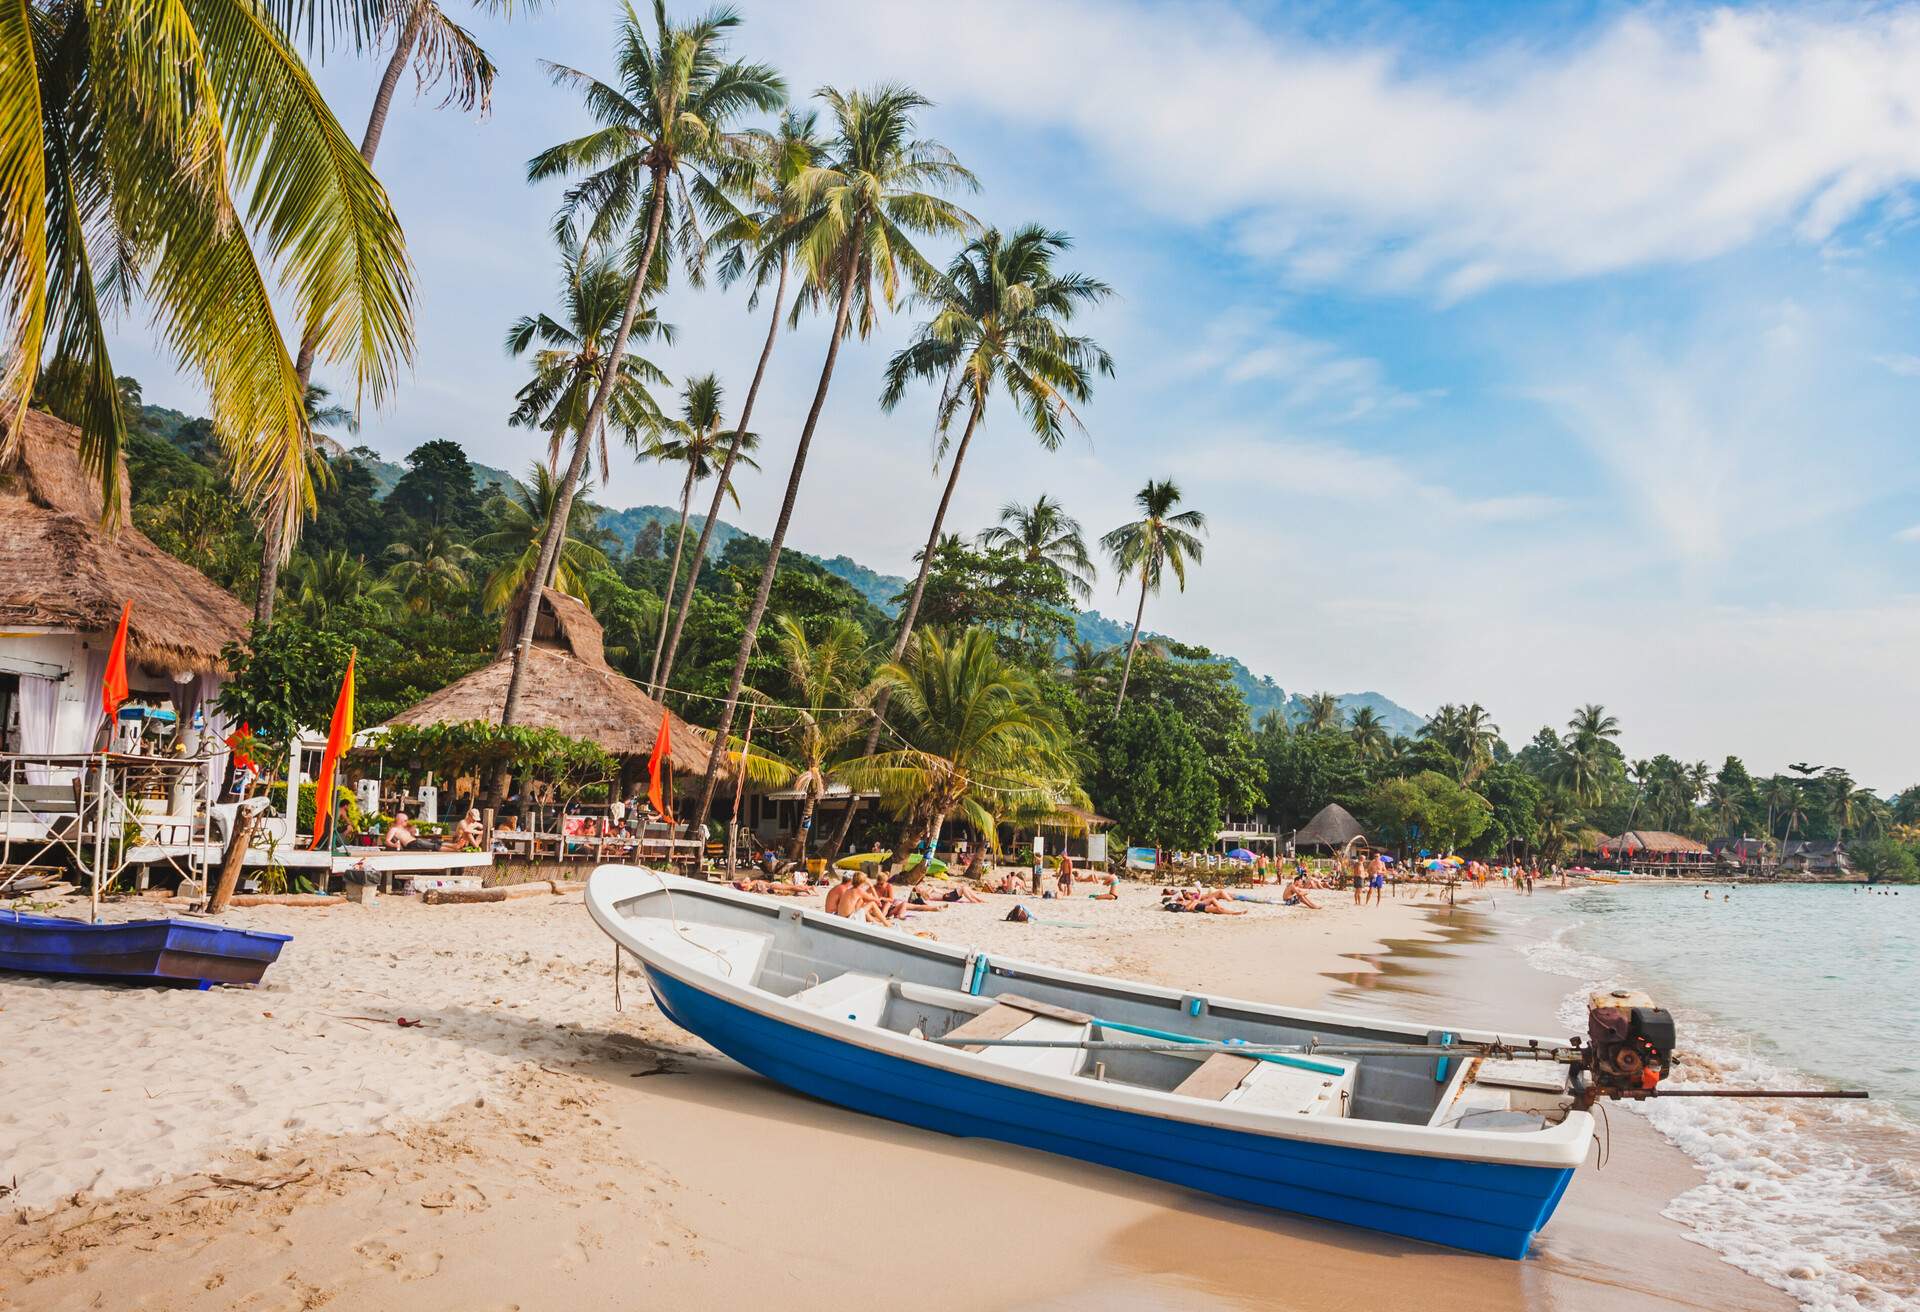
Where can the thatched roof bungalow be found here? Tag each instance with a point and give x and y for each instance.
(63, 579)
(1334, 827)
(569, 687)
(1653, 844)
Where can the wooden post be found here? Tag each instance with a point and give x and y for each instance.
(232, 859)
(739, 787)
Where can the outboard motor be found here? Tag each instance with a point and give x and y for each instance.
(1629, 1045)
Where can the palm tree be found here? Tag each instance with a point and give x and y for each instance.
(696, 439)
(335, 580)
(1369, 735)
(1321, 713)
(442, 52)
(1591, 724)
(664, 129)
(756, 245)
(825, 677)
(859, 207)
(573, 351)
(1559, 823)
(520, 520)
(980, 738)
(999, 320)
(1089, 662)
(184, 154)
(1044, 533)
(1160, 540)
(430, 572)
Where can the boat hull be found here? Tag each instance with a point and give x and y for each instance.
(1483, 1207)
(137, 952)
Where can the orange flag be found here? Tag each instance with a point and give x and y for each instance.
(114, 690)
(662, 747)
(339, 739)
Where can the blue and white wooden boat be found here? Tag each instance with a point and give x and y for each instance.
(136, 951)
(1461, 1150)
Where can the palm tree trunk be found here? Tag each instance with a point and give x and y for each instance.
(842, 311)
(1126, 670)
(270, 544)
(673, 574)
(726, 474)
(911, 613)
(563, 500)
(797, 849)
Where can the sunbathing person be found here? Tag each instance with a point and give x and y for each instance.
(837, 896)
(466, 835)
(961, 893)
(1294, 895)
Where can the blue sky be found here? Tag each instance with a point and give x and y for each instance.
(1531, 354)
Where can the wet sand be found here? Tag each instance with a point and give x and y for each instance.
(631, 1165)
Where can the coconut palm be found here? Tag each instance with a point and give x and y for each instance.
(1559, 823)
(442, 54)
(1369, 735)
(182, 151)
(694, 440)
(825, 675)
(980, 739)
(1320, 713)
(665, 131)
(860, 207)
(1591, 724)
(430, 572)
(335, 580)
(1044, 533)
(1161, 539)
(520, 520)
(573, 349)
(754, 245)
(999, 321)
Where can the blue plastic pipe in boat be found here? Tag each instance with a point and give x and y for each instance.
(1299, 1063)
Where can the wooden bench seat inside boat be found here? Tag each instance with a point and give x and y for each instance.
(1216, 1077)
(1019, 1018)
(1245, 1082)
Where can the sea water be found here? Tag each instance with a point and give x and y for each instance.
(1781, 986)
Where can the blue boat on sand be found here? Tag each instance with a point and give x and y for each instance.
(1468, 1151)
(136, 951)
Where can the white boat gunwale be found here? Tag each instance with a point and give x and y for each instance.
(1560, 1146)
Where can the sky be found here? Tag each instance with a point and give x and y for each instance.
(1531, 355)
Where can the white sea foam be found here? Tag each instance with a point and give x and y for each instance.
(1819, 1199)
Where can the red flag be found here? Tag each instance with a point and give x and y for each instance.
(114, 690)
(339, 738)
(662, 746)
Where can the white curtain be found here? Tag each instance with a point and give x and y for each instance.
(93, 677)
(215, 726)
(39, 717)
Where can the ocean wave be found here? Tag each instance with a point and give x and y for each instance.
(1821, 1200)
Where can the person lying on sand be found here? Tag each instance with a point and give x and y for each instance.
(770, 887)
(1212, 903)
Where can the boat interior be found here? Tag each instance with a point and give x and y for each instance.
(926, 991)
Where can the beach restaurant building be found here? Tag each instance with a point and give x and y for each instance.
(1657, 852)
(64, 576)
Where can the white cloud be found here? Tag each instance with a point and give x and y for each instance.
(1907, 366)
(1660, 138)
(1908, 534)
(1301, 375)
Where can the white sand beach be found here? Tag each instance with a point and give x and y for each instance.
(526, 1145)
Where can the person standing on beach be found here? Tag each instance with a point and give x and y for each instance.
(1375, 882)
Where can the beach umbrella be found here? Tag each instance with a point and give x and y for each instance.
(1240, 854)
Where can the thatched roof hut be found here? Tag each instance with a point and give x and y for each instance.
(569, 687)
(1652, 843)
(1333, 827)
(62, 572)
